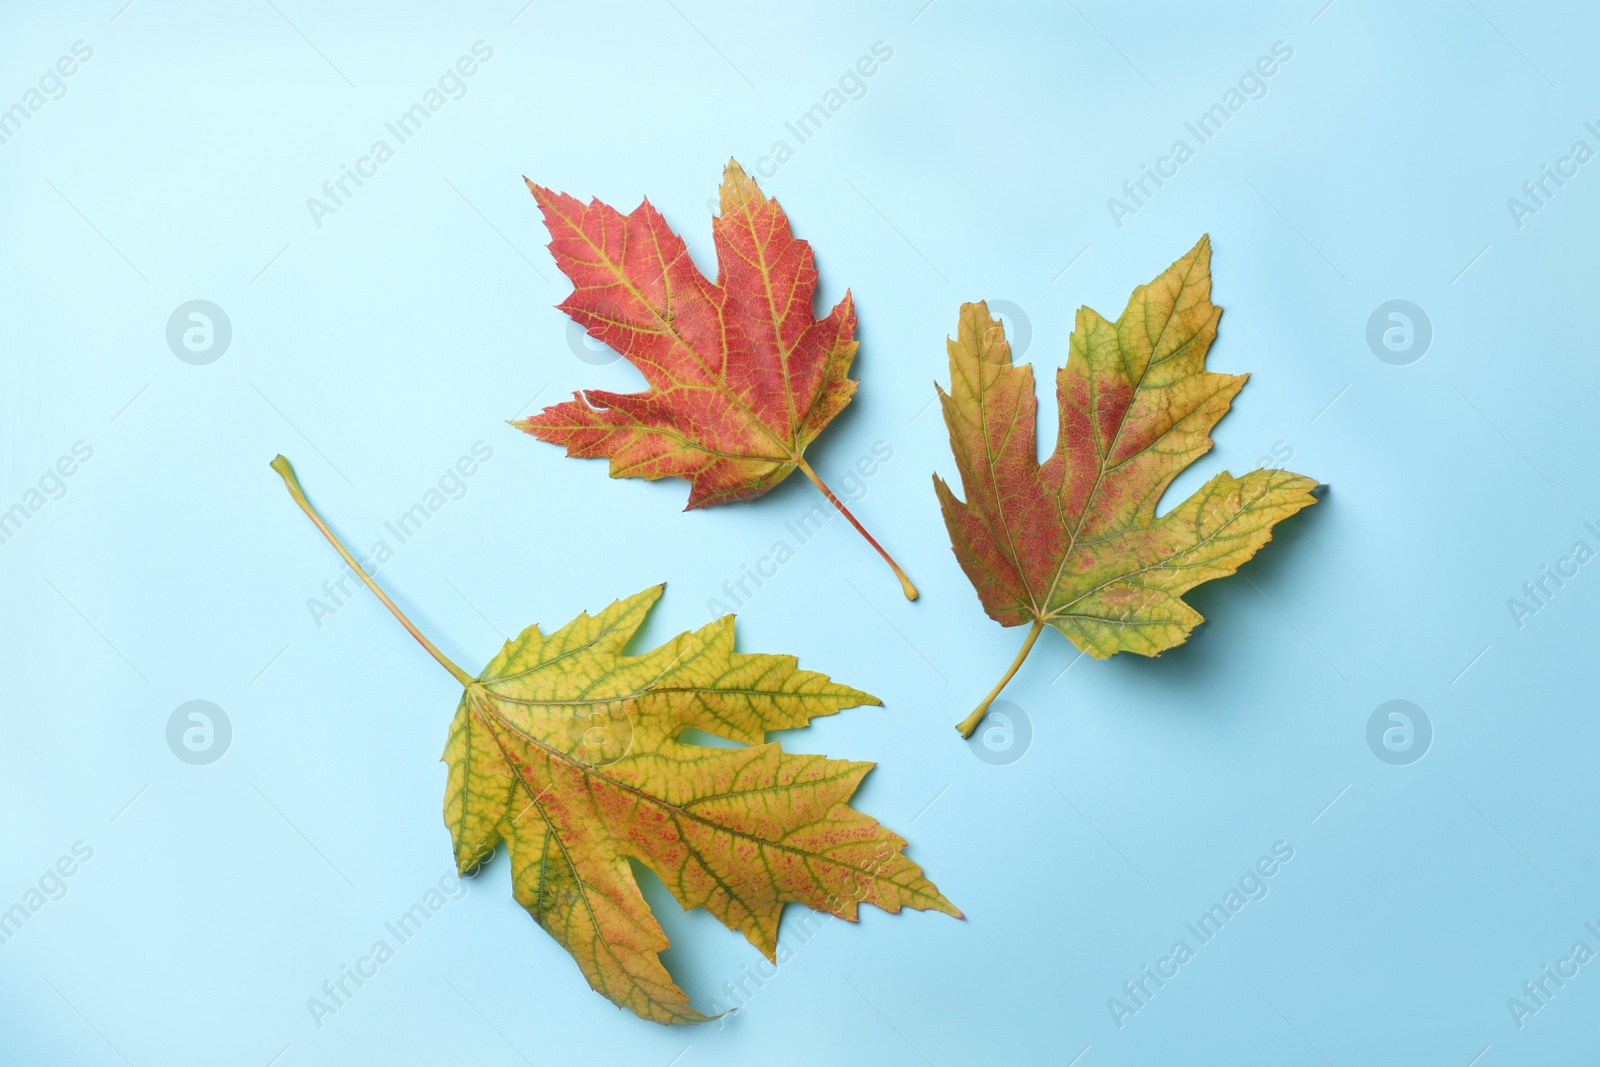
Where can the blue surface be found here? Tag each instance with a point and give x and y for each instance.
(376, 349)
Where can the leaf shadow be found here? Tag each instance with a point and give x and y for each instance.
(700, 951)
(1192, 666)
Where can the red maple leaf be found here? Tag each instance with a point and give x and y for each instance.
(742, 375)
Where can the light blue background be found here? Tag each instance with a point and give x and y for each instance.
(378, 348)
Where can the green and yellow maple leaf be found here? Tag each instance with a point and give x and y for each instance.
(569, 751)
(1075, 542)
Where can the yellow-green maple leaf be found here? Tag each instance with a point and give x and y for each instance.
(1075, 542)
(569, 750)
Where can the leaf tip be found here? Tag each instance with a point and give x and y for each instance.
(738, 190)
(650, 594)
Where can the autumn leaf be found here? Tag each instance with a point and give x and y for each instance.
(742, 375)
(569, 751)
(1076, 543)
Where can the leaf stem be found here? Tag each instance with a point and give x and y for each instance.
(283, 468)
(970, 723)
(905, 583)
